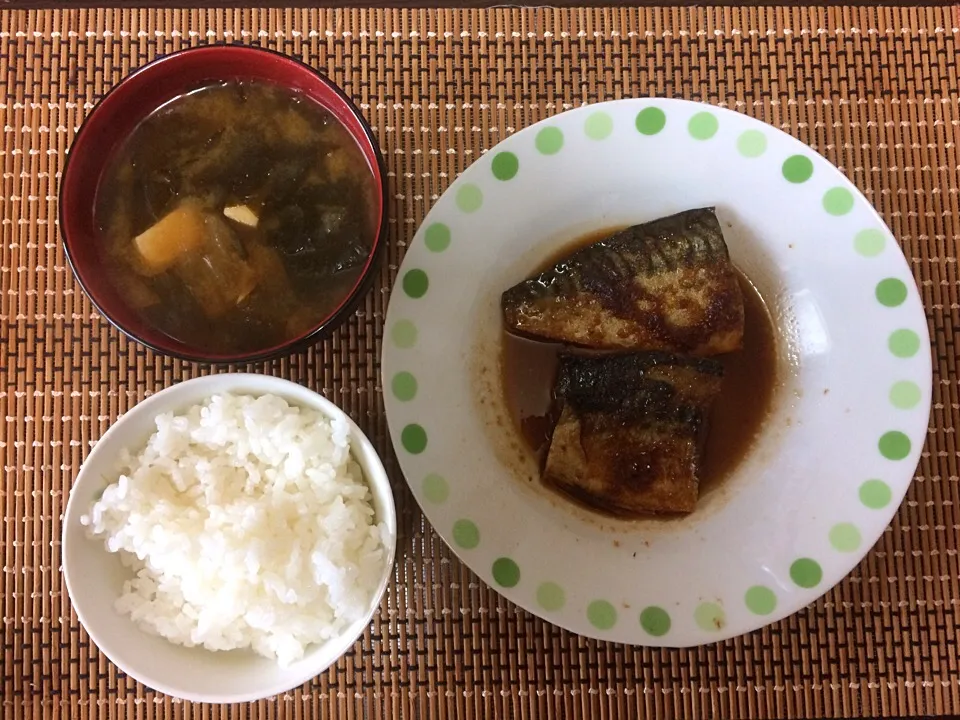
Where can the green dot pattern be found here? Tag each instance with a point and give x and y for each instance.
(414, 439)
(894, 445)
(845, 537)
(710, 617)
(506, 572)
(601, 614)
(806, 573)
(469, 198)
(798, 169)
(551, 597)
(905, 395)
(752, 143)
(435, 488)
(760, 600)
(466, 534)
(415, 283)
(599, 126)
(505, 166)
(655, 621)
(875, 494)
(838, 201)
(904, 343)
(870, 242)
(404, 386)
(651, 120)
(404, 334)
(891, 292)
(703, 126)
(549, 141)
(437, 237)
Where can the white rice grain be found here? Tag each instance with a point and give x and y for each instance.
(247, 524)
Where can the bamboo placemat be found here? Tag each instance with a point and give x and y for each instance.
(875, 90)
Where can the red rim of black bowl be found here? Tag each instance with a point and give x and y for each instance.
(334, 319)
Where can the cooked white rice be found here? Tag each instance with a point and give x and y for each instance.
(248, 525)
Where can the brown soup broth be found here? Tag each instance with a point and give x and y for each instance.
(245, 286)
(529, 369)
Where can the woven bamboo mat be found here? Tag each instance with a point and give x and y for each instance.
(875, 90)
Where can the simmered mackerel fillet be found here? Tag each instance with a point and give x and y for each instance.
(630, 430)
(664, 285)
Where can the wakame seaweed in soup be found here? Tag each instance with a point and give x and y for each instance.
(237, 216)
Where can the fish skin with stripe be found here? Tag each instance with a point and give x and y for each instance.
(630, 430)
(664, 285)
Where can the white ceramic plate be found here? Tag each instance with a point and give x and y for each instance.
(837, 452)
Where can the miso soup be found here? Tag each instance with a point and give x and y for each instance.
(237, 216)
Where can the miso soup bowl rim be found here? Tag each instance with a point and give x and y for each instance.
(89, 281)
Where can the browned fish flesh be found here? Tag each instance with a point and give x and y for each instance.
(664, 285)
(631, 431)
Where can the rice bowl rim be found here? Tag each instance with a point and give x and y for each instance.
(101, 463)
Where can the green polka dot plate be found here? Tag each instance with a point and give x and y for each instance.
(848, 418)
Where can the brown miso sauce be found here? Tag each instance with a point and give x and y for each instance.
(749, 377)
(529, 369)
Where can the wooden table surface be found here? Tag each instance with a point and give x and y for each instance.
(47, 4)
(875, 90)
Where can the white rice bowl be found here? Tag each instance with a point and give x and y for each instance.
(248, 524)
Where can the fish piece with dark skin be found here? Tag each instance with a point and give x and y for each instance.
(664, 285)
(631, 430)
